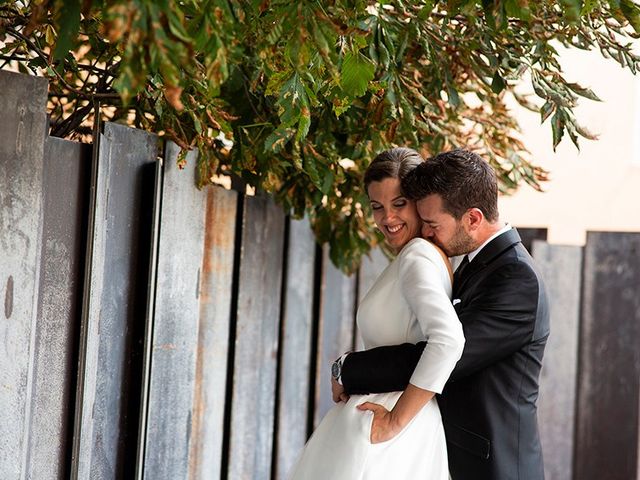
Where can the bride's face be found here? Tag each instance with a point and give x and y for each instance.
(395, 215)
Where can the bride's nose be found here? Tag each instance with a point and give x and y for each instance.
(389, 215)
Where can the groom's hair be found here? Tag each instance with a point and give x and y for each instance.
(461, 178)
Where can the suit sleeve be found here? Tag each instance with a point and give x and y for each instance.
(381, 369)
(498, 318)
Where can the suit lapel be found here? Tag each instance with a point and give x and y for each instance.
(490, 251)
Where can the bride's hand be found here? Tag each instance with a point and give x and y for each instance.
(384, 426)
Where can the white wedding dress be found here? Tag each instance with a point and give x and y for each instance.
(409, 302)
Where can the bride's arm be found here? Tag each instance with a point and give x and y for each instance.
(425, 288)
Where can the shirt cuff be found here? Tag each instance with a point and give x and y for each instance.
(341, 361)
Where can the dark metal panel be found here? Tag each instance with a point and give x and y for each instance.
(529, 235)
(149, 317)
(256, 341)
(335, 336)
(175, 329)
(609, 364)
(370, 269)
(115, 302)
(561, 268)
(295, 363)
(22, 135)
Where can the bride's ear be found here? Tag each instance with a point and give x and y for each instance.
(475, 218)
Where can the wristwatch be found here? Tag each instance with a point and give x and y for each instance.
(336, 369)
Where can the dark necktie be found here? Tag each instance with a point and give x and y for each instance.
(458, 273)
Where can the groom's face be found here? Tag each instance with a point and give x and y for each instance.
(442, 228)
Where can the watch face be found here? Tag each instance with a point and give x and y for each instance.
(335, 370)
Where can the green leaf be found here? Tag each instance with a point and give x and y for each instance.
(571, 9)
(588, 6)
(303, 124)
(585, 132)
(327, 183)
(631, 12)
(425, 9)
(546, 110)
(497, 84)
(276, 81)
(68, 23)
(518, 9)
(557, 128)
(176, 27)
(356, 73)
(487, 6)
(583, 92)
(278, 139)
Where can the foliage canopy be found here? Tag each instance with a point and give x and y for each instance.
(296, 98)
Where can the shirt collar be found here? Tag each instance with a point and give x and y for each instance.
(504, 229)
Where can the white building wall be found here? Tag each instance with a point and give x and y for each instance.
(598, 187)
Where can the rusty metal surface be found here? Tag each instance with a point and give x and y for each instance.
(22, 135)
(114, 308)
(561, 269)
(175, 329)
(256, 341)
(609, 364)
(207, 421)
(337, 309)
(297, 327)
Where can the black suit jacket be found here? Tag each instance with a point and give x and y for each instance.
(489, 404)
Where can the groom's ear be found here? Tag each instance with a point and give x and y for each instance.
(475, 218)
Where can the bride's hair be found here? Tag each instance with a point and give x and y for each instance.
(393, 163)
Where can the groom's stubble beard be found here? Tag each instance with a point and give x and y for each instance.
(461, 243)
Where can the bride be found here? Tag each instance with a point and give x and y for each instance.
(397, 435)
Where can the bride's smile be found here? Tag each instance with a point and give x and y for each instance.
(394, 214)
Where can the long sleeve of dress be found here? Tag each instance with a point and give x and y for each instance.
(426, 286)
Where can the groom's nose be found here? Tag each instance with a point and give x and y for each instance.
(427, 231)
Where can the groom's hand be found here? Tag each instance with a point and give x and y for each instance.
(384, 426)
(337, 392)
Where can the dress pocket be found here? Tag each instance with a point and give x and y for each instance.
(388, 401)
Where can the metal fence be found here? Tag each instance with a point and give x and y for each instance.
(153, 330)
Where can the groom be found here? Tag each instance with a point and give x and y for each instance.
(489, 403)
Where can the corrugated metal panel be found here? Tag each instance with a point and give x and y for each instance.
(115, 304)
(337, 308)
(22, 134)
(561, 268)
(175, 330)
(207, 430)
(295, 363)
(609, 366)
(185, 417)
(66, 181)
(256, 341)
